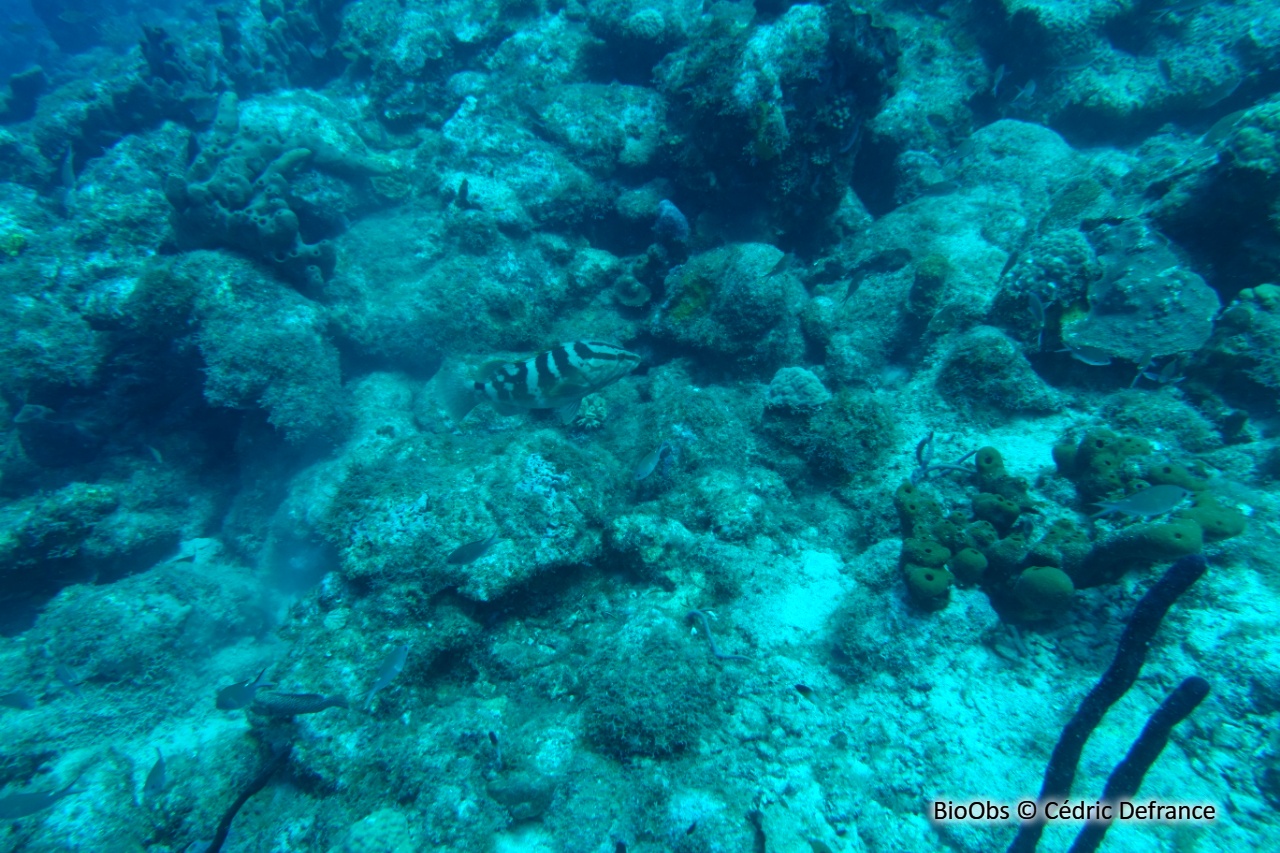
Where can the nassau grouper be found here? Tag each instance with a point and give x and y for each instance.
(555, 379)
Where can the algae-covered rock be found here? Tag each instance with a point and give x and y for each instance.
(656, 704)
(796, 388)
(985, 369)
(283, 361)
(384, 831)
(927, 286)
(50, 530)
(730, 301)
(1131, 315)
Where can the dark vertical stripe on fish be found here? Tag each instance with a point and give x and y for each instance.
(562, 360)
(582, 351)
(544, 378)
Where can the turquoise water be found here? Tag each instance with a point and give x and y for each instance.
(616, 427)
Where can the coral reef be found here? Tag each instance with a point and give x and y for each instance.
(732, 302)
(925, 382)
(237, 193)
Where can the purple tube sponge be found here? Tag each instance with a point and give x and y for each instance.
(670, 226)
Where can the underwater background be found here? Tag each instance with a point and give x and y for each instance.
(558, 426)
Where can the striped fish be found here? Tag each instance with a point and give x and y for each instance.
(555, 379)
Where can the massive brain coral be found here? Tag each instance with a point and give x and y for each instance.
(235, 194)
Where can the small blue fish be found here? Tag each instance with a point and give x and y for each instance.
(17, 806)
(68, 679)
(1148, 502)
(31, 412)
(157, 778)
(652, 460)
(1026, 92)
(1090, 355)
(996, 80)
(472, 551)
(20, 699)
(392, 664)
(1165, 375)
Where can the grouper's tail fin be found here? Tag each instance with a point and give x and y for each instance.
(455, 390)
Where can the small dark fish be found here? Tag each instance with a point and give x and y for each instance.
(1166, 69)
(1145, 364)
(996, 79)
(783, 263)
(1153, 500)
(1222, 128)
(203, 112)
(1027, 92)
(887, 261)
(19, 699)
(472, 551)
(855, 135)
(1165, 375)
(1009, 262)
(241, 694)
(940, 188)
(31, 412)
(274, 704)
(67, 171)
(651, 460)
(1115, 266)
(497, 748)
(1090, 355)
(392, 664)
(961, 152)
(17, 806)
(68, 679)
(924, 450)
(157, 778)
(1037, 312)
(1077, 61)
(1220, 92)
(1181, 7)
